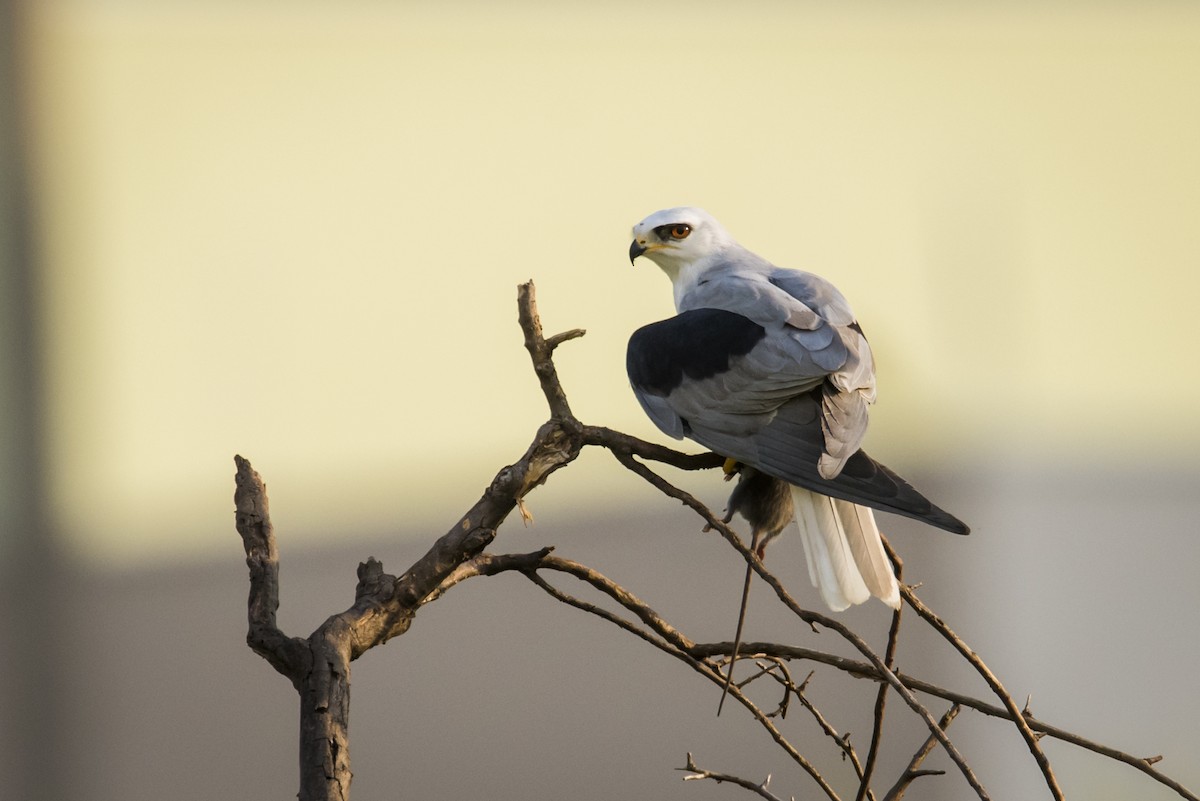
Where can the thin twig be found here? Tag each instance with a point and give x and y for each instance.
(741, 622)
(865, 670)
(913, 771)
(672, 643)
(889, 658)
(1018, 717)
(781, 666)
(696, 772)
(812, 618)
(773, 670)
(842, 740)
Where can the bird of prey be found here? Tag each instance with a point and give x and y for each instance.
(769, 367)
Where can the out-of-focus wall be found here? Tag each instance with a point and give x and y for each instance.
(294, 231)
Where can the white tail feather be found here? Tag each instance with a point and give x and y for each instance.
(809, 558)
(830, 558)
(867, 547)
(846, 560)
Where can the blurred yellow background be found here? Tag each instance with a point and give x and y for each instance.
(294, 231)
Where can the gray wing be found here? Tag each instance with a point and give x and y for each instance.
(698, 375)
(809, 321)
(723, 371)
(789, 448)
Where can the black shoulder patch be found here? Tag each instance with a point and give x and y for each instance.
(697, 344)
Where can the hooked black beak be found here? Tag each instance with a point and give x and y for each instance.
(636, 249)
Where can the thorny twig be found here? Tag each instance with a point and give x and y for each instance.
(810, 617)
(1017, 716)
(842, 740)
(696, 772)
(777, 670)
(913, 770)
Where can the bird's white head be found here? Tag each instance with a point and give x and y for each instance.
(676, 238)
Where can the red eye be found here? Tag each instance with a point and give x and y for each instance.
(679, 231)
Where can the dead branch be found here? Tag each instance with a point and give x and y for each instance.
(385, 605)
(889, 658)
(913, 770)
(865, 670)
(668, 639)
(1017, 716)
(808, 616)
(625, 445)
(778, 670)
(695, 772)
(841, 740)
(288, 655)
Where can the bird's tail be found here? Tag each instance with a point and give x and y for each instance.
(846, 560)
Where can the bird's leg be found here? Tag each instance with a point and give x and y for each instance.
(737, 636)
(731, 468)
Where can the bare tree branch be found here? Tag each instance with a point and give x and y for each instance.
(842, 740)
(288, 655)
(695, 772)
(541, 351)
(865, 670)
(810, 617)
(625, 445)
(1017, 717)
(486, 564)
(673, 643)
(385, 605)
(889, 659)
(913, 770)
(777, 670)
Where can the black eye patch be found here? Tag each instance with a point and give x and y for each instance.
(672, 231)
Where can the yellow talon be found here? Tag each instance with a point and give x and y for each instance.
(731, 468)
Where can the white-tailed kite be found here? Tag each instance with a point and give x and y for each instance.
(769, 367)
